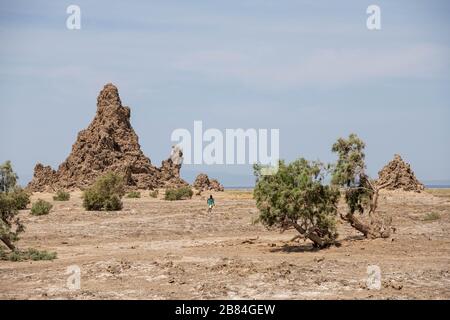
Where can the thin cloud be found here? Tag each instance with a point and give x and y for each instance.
(318, 67)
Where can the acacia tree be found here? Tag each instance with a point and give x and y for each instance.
(296, 197)
(360, 193)
(10, 224)
(11, 199)
(8, 179)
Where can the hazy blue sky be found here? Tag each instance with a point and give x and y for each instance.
(310, 68)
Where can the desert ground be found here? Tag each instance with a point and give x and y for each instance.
(157, 249)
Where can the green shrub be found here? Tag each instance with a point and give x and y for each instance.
(186, 192)
(41, 207)
(431, 216)
(181, 193)
(113, 204)
(21, 198)
(61, 195)
(171, 194)
(105, 193)
(134, 194)
(154, 193)
(30, 254)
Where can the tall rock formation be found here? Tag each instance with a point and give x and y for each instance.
(108, 144)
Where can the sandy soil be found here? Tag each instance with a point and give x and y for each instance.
(156, 249)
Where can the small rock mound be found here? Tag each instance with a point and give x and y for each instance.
(109, 144)
(215, 185)
(203, 183)
(397, 174)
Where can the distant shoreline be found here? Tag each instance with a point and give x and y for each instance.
(437, 186)
(427, 186)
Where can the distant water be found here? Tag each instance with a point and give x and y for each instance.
(437, 186)
(238, 187)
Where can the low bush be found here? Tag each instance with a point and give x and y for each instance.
(30, 254)
(431, 216)
(178, 193)
(134, 194)
(61, 195)
(154, 193)
(41, 207)
(105, 193)
(186, 192)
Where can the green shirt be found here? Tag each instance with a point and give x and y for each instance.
(210, 202)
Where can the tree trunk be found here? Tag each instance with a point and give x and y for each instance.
(8, 243)
(378, 228)
(374, 203)
(372, 231)
(358, 225)
(318, 241)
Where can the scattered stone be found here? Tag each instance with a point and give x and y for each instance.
(392, 284)
(344, 282)
(397, 174)
(319, 259)
(250, 241)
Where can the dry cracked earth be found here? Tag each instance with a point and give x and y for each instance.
(156, 249)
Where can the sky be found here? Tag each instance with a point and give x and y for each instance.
(311, 69)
